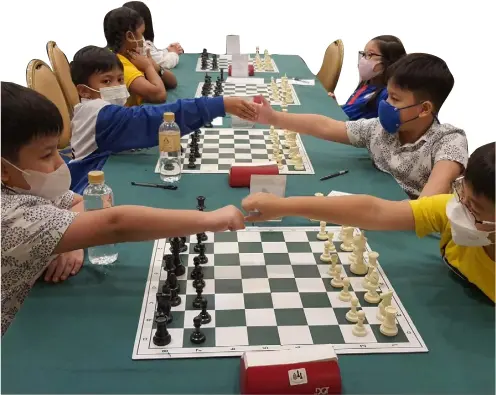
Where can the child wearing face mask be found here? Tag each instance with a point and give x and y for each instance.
(465, 218)
(43, 221)
(101, 125)
(406, 140)
(167, 57)
(146, 81)
(373, 63)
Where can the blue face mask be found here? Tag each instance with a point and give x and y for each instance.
(389, 116)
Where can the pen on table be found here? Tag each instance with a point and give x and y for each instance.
(339, 173)
(148, 184)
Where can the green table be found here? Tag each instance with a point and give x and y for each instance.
(77, 337)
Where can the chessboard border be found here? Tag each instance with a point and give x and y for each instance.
(309, 170)
(198, 68)
(296, 99)
(340, 349)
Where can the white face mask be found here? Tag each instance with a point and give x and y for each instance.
(46, 185)
(463, 227)
(113, 94)
(366, 69)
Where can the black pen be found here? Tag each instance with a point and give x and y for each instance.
(339, 173)
(147, 184)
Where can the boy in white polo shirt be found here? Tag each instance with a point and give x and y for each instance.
(406, 140)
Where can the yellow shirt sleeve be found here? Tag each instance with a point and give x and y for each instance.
(430, 214)
(131, 72)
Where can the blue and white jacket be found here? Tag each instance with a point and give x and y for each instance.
(100, 129)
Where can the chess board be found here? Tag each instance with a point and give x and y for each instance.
(241, 89)
(223, 62)
(267, 289)
(220, 148)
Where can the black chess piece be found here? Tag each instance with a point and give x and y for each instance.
(169, 266)
(199, 280)
(191, 161)
(198, 268)
(196, 248)
(197, 337)
(183, 247)
(180, 269)
(202, 257)
(166, 288)
(222, 75)
(175, 289)
(164, 305)
(199, 296)
(200, 200)
(162, 336)
(204, 315)
(196, 150)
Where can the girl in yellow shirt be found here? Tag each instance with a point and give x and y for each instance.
(145, 79)
(465, 219)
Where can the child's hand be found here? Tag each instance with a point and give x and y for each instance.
(261, 207)
(226, 218)
(175, 47)
(141, 62)
(65, 265)
(264, 110)
(241, 108)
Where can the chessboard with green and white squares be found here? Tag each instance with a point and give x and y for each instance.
(268, 289)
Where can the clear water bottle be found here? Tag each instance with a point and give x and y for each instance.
(98, 196)
(169, 139)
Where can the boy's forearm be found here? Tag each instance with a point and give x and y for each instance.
(362, 211)
(169, 79)
(130, 224)
(312, 124)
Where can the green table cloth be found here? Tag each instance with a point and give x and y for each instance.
(78, 336)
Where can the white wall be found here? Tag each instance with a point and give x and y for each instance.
(305, 28)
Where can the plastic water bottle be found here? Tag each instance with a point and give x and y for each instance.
(169, 138)
(98, 196)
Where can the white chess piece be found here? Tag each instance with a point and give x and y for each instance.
(298, 166)
(386, 302)
(388, 326)
(334, 262)
(357, 265)
(359, 328)
(372, 296)
(322, 234)
(347, 244)
(337, 282)
(326, 256)
(351, 315)
(345, 294)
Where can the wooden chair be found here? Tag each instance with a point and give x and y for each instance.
(330, 70)
(62, 70)
(41, 78)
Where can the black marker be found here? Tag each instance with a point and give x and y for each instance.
(147, 184)
(339, 173)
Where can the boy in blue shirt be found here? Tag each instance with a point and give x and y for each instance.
(102, 125)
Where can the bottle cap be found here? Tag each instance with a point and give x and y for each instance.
(169, 117)
(96, 177)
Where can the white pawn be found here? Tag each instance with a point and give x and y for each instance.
(389, 327)
(322, 234)
(347, 239)
(386, 302)
(351, 315)
(372, 296)
(359, 328)
(334, 262)
(345, 294)
(330, 237)
(337, 282)
(326, 256)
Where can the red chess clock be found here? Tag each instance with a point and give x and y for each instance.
(251, 70)
(310, 370)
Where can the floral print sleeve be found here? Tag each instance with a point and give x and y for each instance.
(452, 147)
(360, 132)
(31, 229)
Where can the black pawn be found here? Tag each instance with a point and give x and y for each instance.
(204, 315)
(174, 289)
(197, 337)
(183, 247)
(164, 305)
(198, 242)
(199, 298)
(222, 75)
(202, 257)
(198, 268)
(162, 336)
(199, 282)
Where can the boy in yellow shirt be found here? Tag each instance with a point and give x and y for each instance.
(146, 81)
(465, 219)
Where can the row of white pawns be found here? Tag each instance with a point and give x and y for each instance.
(294, 155)
(386, 313)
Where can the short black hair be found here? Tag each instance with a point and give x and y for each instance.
(117, 23)
(480, 171)
(426, 76)
(142, 9)
(26, 115)
(90, 60)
